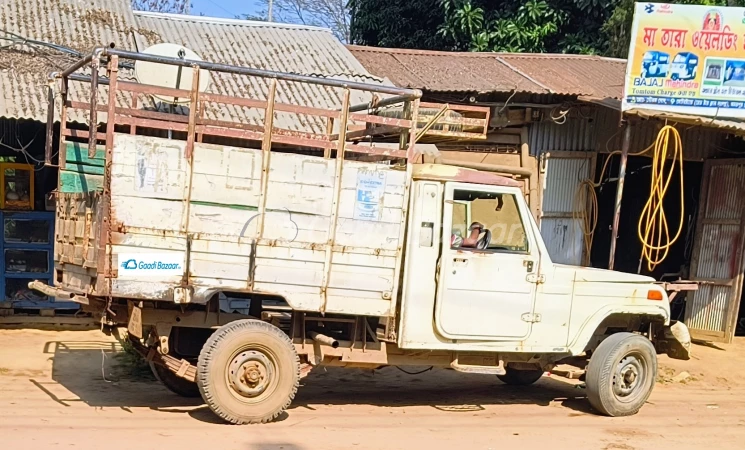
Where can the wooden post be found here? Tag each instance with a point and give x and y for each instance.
(619, 194)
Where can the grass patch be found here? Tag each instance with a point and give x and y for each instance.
(130, 364)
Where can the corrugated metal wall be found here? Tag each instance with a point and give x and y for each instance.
(717, 255)
(596, 129)
(698, 143)
(560, 229)
(576, 134)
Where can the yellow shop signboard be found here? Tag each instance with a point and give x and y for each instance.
(687, 59)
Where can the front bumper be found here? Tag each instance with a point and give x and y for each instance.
(674, 341)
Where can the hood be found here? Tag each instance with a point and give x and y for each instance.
(590, 274)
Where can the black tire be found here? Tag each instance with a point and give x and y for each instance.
(174, 383)
(520, 377)
(248, 372)
(621, 374)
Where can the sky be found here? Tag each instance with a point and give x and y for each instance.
(224, 8)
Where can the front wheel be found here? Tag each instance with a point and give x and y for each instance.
(621, 374)
(520, 377)
(248, 372)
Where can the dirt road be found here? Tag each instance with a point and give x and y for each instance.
(69, 390)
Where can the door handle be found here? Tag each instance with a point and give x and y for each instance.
(529, 266)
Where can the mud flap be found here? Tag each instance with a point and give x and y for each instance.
(134, 324)
(674, 341)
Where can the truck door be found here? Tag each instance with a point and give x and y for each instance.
(489, 264)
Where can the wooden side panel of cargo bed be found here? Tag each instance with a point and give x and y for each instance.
(162, 206)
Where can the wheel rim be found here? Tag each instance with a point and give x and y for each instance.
(629, 377)
(251, 375)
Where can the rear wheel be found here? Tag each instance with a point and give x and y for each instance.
(520, 377)
(621, 374)
(248, 372)
(174, 383)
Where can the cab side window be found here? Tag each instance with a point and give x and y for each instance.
(485, 221)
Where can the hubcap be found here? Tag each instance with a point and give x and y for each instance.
(628, 377)
(251, 372)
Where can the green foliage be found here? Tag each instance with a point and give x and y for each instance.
(399, 24)
(557, 26)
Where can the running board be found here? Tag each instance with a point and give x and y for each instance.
(484, 370)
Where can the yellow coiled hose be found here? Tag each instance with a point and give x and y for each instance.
(653, 229)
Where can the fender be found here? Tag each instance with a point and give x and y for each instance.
(578, 342)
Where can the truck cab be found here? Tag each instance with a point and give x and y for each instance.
(478, 275)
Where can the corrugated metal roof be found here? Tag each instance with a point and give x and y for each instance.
(83, 25)
(591, 76)
(80, 25)
(699, 142)
(436, 71)
(443, 71)
(262, 45)
(733, 126)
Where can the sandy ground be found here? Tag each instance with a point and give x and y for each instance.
(68, 389)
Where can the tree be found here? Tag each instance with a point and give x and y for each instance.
(483, 25)
(556, 26)
(164, 6)
(399, 24)
(332, 14)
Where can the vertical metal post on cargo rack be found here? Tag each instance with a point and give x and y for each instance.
(266, 153)
(343, 117)
(619, 193)
(414, 117)
(411, 112)
(93, 127)
(50, 123)
(189, 155)
(193, 107)
(111, 110)
(62, 151)
(133, 127)
(103, 264)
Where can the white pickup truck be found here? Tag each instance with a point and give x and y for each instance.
(339, 262)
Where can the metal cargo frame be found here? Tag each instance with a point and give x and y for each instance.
(85, 241)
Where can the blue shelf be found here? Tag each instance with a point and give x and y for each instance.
(19, 279)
